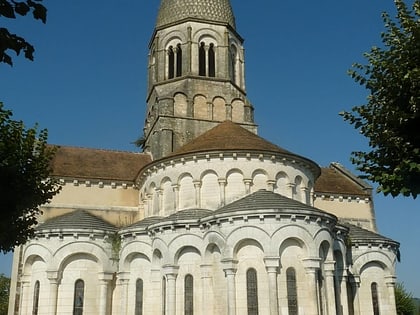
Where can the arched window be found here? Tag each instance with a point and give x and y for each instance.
(202, 59)
(212, 62)
(232, 65)
(79, 295)
(292, 300)
(139, 297)
(178, 60)
(36, 299)
(252, 291)
(375, 299)
(189, 295)
(171, 62)
(163, 295)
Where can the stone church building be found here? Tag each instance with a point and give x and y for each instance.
(211, 218)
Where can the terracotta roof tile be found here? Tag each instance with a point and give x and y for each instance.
(334, 181)
(98, 164)
(229, 136)
(79, 219)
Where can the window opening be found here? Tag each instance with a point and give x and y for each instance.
(163, 296)
(171, 62)
(212, 61)
(139, 297)
(202, 60)
(36, 299)
(375, 299)
(79, 295)
(189, 295)
(292, 300)
(252, 291)
(178, 60)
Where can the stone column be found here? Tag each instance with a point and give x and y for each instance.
(222, 185)
(270, 184)
(329, 267)
(272, 267)
(175, 187)
(356, 286)
(207, 289)
(159, 194)
(390, 283)
(54, 278)
(171, 273)
(247, 182)
(25, 295)
(229, 267)
(189, 50)
(344, 294)
(291, 189)
(123, 287)
(104, 280)
(197, 186)
(311, 267)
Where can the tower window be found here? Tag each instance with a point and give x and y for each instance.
(174, 61)
(171, 63)
(79, 295)
(292, 301)
(212, 62)
(139, 297)
(252, 291)
(189, 295)
(36, 299)
(202, 59)
(178, 60)
(375, 299)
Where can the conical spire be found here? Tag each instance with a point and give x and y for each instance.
(171, 11)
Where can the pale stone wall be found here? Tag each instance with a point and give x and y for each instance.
(356, 210)
(188, 182)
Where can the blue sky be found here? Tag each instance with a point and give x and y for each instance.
(88, 81)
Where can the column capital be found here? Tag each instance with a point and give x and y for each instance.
(272, 264)
(53, 275)
(229, 265)
(170, 270)
(105, 276)
(222, 181)
(390, 280)
(329, 266)
(311, 263)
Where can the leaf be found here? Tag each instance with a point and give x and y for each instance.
(6, 9)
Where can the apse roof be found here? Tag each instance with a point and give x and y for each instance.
(79, 219)
(172, 11)
(91, 163)
(264, 199)
(229, 136)
(358, 234)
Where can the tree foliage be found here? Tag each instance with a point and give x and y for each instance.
(25, 181)
(391, 118)
(403, 301)
(8, 41)
(4, 294)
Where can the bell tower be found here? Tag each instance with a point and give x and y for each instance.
(195, 74)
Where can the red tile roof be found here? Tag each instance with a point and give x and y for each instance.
(90, 163)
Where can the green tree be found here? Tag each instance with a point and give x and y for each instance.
(391, 118)
(4, 294)
(25, 181)
(9, 41)
(403, 301)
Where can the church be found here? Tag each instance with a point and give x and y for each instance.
(209, 218)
